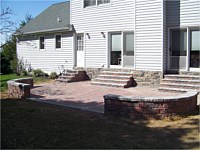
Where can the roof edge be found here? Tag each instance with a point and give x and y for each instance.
(69, 28)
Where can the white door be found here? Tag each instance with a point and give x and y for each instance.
(115, 50)
(80, 54)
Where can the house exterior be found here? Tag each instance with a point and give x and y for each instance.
(140, 35)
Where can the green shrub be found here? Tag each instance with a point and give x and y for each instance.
(38, 73)
(23, 73)
(53, 75)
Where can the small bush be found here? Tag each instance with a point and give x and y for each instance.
(53, 75)
(23, 73)
(38, 73)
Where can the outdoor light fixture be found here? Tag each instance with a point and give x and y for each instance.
(103, 34)
(88, 35)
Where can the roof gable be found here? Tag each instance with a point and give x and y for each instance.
(55, 17)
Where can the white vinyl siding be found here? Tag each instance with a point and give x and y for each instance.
(148, 35)
(183, 13)
(50, 59)
(113, 17)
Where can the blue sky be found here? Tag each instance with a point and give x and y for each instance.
(21, 7)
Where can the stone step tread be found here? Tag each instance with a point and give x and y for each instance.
(120, 76)
(182, 76)
(176, 84)
(62, 80)
(175, 89)
(183, 80)
(119, 80)
(115, 72)
(112, 84)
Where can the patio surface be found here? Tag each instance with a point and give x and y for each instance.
(83, 95)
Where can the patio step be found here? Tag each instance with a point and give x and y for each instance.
(72, 76)
(180, 83)
(114, 79)
(109, 84)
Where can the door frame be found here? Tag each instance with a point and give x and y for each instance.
(109, 49)
(188, 68)
(75, 48)
(109, 42)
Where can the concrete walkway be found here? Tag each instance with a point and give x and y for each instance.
(83, 95)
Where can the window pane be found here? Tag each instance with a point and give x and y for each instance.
(89, 3)
(116, 42)
(195, 40)
(129, 44)
(79, 43)
(102, 1)
(179, 42)
(58, 41)
(195, 49)
(41, 42)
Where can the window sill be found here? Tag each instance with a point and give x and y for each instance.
(58, 49)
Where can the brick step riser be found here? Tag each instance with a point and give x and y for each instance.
(111, 81)
(179, 87)
(181, 82)
(182, 78)
(110, 85)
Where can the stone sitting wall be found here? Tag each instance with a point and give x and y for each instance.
(150, 107)
(20, 88)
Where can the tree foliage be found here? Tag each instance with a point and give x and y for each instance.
(9, 54)
(28, 18)
(5, 18)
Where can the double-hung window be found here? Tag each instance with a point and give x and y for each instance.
(95, 2)
(58, 41)
(42, 42)
(89, 3)
(102, 1)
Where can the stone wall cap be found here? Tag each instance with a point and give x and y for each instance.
(150, 99)
(16, 82)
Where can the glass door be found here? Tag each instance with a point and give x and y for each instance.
(178, 49)
(194, 50)
(128, 50)
(115, 51)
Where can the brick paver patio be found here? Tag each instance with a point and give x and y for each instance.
(83, 95)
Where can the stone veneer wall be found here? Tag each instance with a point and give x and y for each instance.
(20, 88)
(149, 107)
(147, 78)
(141, 78)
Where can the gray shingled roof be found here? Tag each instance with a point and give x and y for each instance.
(48, 19)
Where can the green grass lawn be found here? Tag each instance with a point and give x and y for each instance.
(6, 77)
(33, 125)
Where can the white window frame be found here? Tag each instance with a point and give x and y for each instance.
(60, 41)
(95, 4)
(42, 49)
